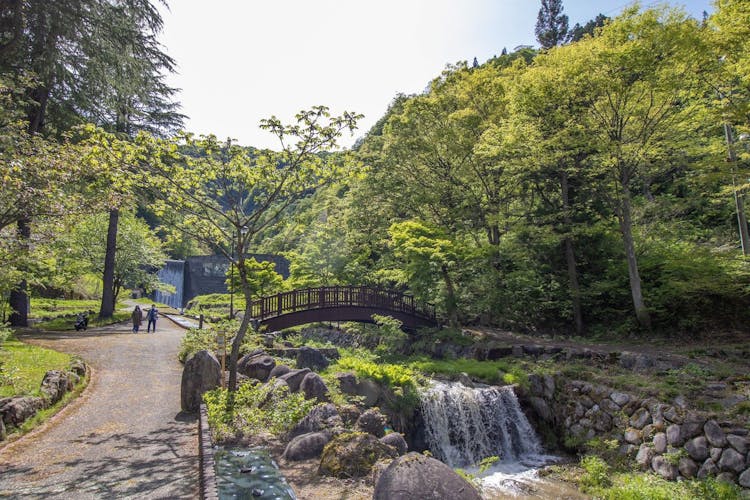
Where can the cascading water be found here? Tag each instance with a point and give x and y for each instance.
(465, 425)
(173, 273)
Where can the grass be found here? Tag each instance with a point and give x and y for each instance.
(60, 314)
(215, 304)
(47, 309)
(22, 367)
(506, 371)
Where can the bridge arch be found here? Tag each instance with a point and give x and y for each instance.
(340, 303)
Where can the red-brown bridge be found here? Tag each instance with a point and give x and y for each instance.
(340, 303)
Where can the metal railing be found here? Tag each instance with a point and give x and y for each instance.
(339, 296)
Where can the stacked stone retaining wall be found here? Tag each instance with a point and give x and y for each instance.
(669, 439)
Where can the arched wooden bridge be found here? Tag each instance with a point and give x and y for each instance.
(340, 303)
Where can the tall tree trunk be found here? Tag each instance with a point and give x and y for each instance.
(739, 195)
(107, 308)
(451, 304)
(19, 298)
(626, 228)
(570, 257)
(234, 355)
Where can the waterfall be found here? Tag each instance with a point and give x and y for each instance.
(465, 425)
(173, 273)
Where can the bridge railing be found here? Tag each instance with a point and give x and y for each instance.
(339, 296)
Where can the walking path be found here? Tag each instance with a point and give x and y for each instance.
(125, 437)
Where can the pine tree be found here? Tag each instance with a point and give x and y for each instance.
(551, 24)
(578, 31)
(91, 60)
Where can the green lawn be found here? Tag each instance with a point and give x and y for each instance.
(22, 367)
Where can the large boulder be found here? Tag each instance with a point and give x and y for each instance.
(660, 443)
(708, 469)
(640, 418)
(744, 479)
(633, 436)
(54, 385)
(78, 367)
(306, 446)
(417, 476)
(397, 441)
(665, 468)
(307, 357)
(644, 456)
(321, 417)
(294, 378)
(373, 422)
(313, 387)
(714, 434)
(279, 370)
(258, 366)
(697, 448)
(731, 461)
(16, 410)
(687, 467)
(674, 435)
(739, 443)
(353, 454)
(202, 373)
(370, 390)
(541, 408)
(692, 426)
(347, 382)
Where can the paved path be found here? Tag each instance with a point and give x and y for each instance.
(125, 437)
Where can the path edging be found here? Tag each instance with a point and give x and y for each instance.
(209, 490)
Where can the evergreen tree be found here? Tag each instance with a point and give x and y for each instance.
(589, 28)
(551, 24)
(90, 60)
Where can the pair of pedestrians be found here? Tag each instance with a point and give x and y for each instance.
(151, 315)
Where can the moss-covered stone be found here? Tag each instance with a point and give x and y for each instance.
(353, 454)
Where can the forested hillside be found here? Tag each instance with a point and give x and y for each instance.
(589, 188)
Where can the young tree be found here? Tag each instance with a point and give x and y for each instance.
(429, 256)
(551, 24)
(226, 195)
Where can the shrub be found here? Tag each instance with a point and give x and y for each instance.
(390, 375)
(198, 340)
(255, 408)
(596, 473)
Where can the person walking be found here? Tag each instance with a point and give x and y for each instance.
(137, 317)
(153, 313)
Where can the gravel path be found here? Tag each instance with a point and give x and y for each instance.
(125, 437)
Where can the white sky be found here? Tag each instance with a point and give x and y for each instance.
(243, 60)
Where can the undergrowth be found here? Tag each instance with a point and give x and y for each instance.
(602, 482)
(255, 409)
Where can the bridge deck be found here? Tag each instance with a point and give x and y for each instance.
(340, 303)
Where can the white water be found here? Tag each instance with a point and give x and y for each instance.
(465, 425)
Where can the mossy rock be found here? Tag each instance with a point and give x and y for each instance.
(353, 454)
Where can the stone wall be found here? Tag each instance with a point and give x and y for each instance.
(208, 273)
(15, 410)
(671, 440)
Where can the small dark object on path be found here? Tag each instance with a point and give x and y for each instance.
(82, 321)
(246, 470)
